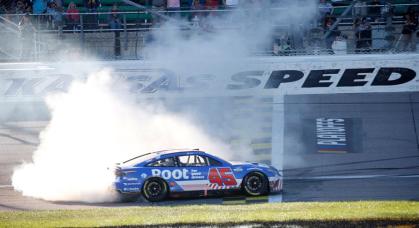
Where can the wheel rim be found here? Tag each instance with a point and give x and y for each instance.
(154, 189)
(254, 183)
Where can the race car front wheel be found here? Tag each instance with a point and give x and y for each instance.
(155, 189)
(255, 184)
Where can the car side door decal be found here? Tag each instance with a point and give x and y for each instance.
(222, 176)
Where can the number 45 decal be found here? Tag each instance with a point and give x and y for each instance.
(221, 176)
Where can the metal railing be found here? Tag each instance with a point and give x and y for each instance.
(100, 34)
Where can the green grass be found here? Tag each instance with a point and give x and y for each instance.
(268, 213)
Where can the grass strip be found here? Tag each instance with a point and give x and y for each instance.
(267, 213)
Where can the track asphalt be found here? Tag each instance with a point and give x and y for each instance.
(379, 159)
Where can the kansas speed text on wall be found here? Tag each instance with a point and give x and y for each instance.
(259, 76)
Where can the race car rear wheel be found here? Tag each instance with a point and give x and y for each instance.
(155, 189)
(255, 184)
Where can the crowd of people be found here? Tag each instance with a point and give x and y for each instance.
(364, 13)
(56, 14)
(41, 6)
(364, 16)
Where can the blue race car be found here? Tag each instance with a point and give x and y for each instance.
(159, 174)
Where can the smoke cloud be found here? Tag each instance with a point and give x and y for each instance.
(92, 127)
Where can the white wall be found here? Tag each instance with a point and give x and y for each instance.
(32, 81)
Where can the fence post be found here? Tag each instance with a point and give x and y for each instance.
(125, 32)
(38, 21)
(82, 38)
(35, 49)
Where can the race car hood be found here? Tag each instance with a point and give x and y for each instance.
(250, 163)
(240, 163)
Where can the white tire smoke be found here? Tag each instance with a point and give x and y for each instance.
(93, 126)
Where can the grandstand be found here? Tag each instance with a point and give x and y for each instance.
(120, 28)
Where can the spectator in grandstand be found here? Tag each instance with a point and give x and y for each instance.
(196, 5)
(363, 35)
(55, 15)
(211, 4)
(173, 5)
(28, 8)
(91, 5)
(20, 7)
(73, 16)
(115, 24)
(194, 17)
(114, 19)
(282, 45)
(325, 9)
(59, 3)
(409, 31)
(39, 6)
(90, 20)
(332, 32)
(412, 12)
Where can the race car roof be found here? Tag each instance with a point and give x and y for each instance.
(164, 152)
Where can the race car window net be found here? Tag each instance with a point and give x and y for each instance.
(192, 160)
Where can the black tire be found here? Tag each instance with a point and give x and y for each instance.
(128, 197)
(255, 184)
(155, 190)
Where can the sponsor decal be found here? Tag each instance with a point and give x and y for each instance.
(131, 189)
(127, 184)
(275, 185)
(331, 135)
(334, 135)
(130, 178)
(196, 175)
(143, 175)
(239, 169)
(168, 174)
